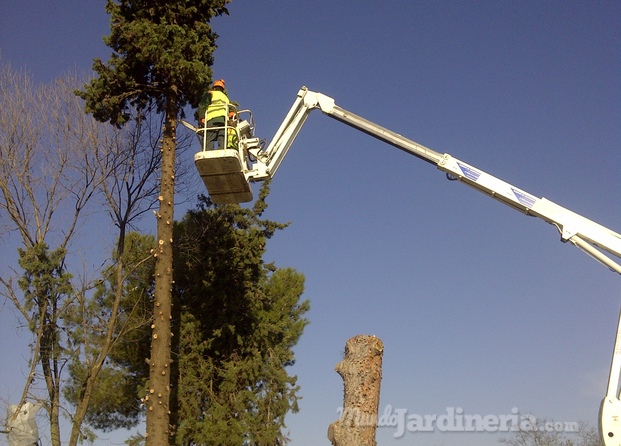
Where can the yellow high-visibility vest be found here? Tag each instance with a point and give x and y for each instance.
(218, 107)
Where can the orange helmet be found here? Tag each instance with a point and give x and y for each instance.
(219, 83)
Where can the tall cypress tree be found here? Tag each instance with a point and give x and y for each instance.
(240, 319)
(162, 51)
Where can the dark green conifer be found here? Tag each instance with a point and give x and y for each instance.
(162, 53)
(240, 320)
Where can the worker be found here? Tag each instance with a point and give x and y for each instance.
(232, 140)
(214, 108)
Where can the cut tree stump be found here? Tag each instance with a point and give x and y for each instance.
(361, 370)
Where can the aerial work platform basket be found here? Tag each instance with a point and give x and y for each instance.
(225, 170)
(223, 174)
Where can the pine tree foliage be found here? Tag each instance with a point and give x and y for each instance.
(240, 320)
(115, 403)
(46, 286)
(47, 291)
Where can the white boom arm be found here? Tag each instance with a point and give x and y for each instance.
(227, 174)
(581, 232)
(573, 228)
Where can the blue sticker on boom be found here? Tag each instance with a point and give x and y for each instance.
(469, 172)
(524, 198)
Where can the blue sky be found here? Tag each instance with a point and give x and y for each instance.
(478, 306)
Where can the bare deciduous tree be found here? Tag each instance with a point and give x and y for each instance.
(532, 431)
(48, 175)
(58, 166)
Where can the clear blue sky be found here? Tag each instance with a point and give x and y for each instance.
(479, 307)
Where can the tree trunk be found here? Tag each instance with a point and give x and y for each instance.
(82, 406)
(157, 399)
(49, 364)
(51, 380)
(361, 370)
(97, 363)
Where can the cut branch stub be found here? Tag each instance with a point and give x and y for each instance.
(361, 370)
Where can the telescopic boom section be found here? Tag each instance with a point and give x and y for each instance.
(307, 101)
(573, 228)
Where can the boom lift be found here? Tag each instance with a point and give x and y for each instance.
(224, 171)
(227, 173)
